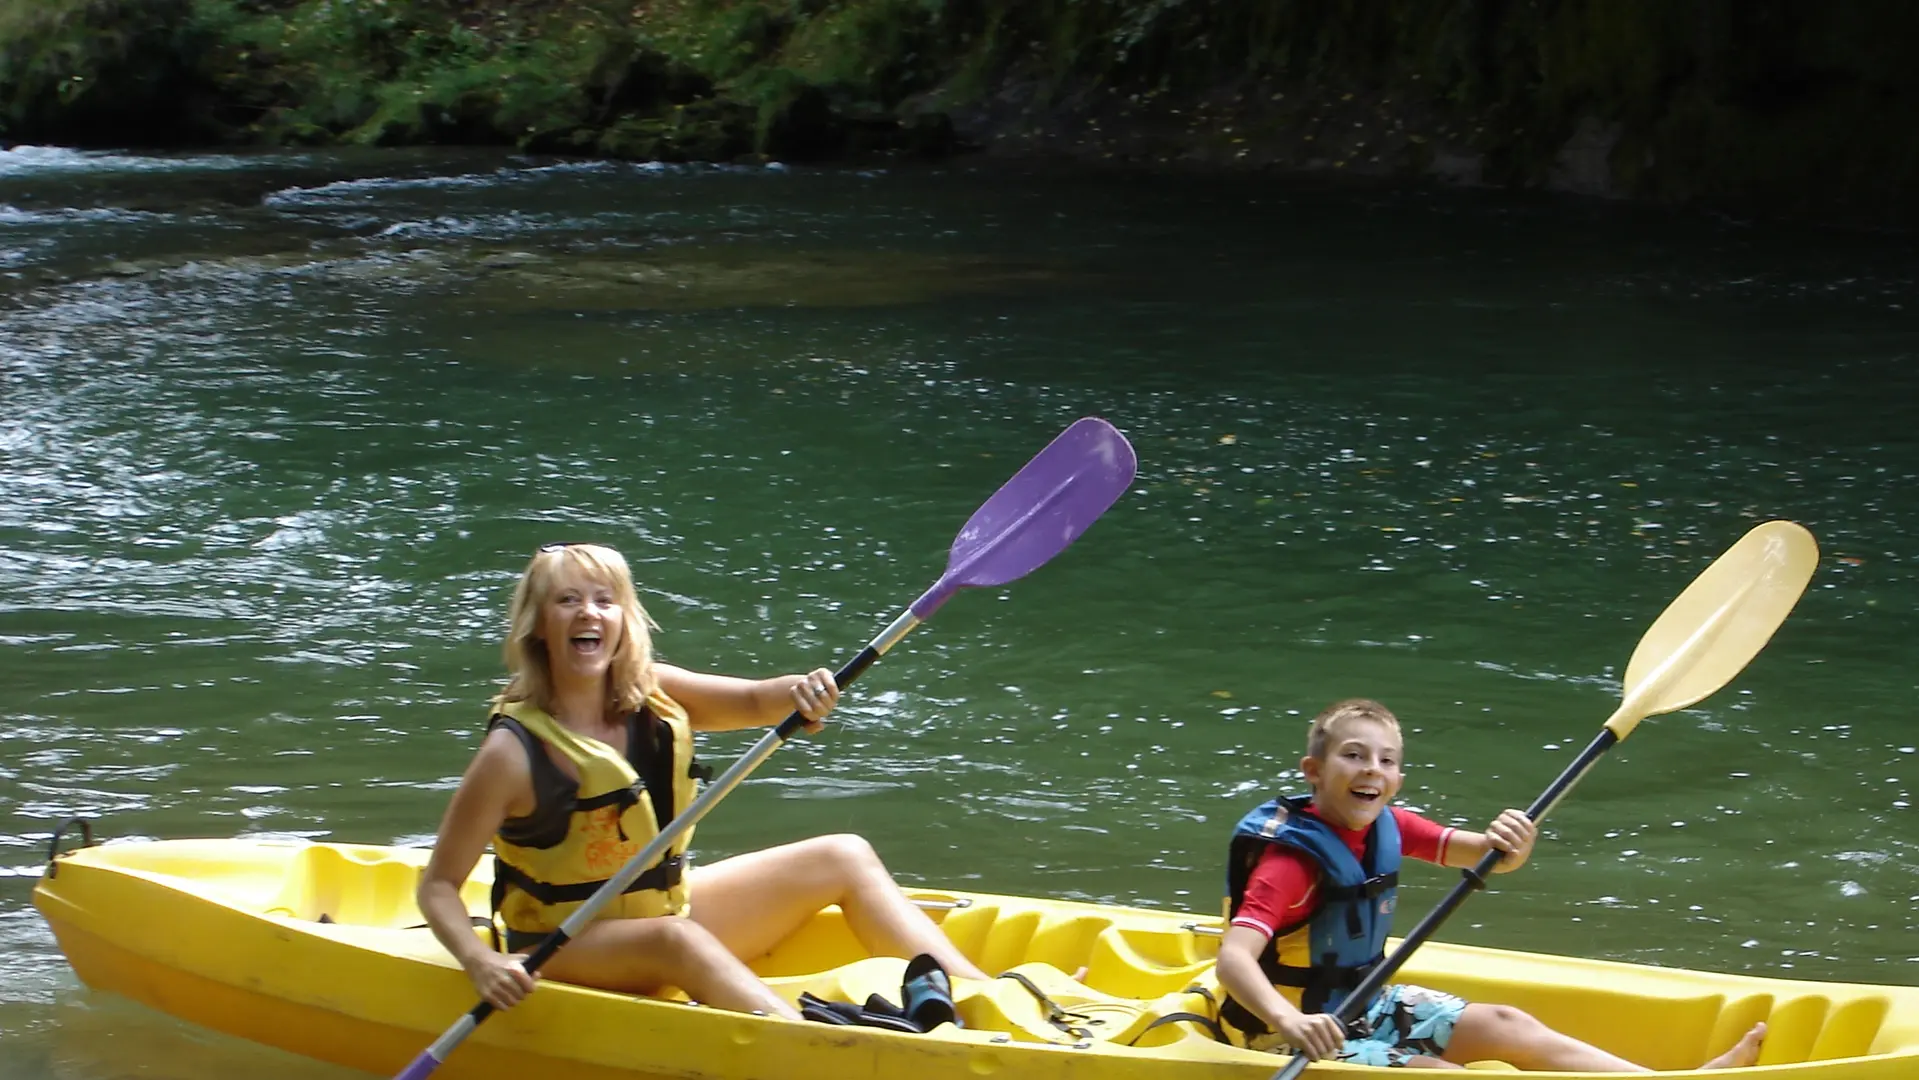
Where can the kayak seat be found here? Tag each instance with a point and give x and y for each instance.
(361, 886)
(1139, 963)
(1166, 1019)
(1038, 1002)
(996, 940)
(1006, 940)
(983, 932)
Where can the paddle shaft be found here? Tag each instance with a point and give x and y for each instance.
(1471, 880)
(434, 1055)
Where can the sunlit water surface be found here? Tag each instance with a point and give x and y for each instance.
(279, 432)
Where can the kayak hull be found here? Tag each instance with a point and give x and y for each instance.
(318, 949)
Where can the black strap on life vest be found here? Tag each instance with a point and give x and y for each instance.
(643, 728)
(1365, 890)
(661, 876)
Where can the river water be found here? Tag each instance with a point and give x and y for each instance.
(278, 433)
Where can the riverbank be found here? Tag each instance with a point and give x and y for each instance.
(1754, 109)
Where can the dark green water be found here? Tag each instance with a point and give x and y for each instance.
(278, 434)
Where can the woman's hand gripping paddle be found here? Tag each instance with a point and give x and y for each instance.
(1702, 639)
(1042, 509)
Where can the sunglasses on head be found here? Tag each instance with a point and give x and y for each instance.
(556, 545)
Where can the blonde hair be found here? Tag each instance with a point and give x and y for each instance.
(1341, 712)
(629, 676)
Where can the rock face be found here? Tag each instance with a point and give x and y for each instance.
(1584, 164)
(1799, 109)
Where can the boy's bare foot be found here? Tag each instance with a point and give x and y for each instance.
(1080, 975)
(1743, 1053)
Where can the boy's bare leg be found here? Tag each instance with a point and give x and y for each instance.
(1502, 1033)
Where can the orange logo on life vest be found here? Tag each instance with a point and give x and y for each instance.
(1386, 906)
(602, 845)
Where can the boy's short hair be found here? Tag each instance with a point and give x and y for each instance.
(1340, 712)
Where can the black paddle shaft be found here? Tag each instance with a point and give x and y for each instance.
(842, 678)
(1472, 880)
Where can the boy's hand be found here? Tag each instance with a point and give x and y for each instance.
(1317, 1036)
(1512, 832)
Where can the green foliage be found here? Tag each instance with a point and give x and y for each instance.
(90, 70)
(399, 72)
(1767, 99)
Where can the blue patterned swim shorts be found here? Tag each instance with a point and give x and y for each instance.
(1406, 1021)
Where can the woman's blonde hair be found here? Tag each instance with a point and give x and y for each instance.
(629, 678)
(1340, 712)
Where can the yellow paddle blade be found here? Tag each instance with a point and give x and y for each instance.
(1722, 620)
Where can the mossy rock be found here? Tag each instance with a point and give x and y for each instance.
(696, 280)
(97, 72)
(702, 131)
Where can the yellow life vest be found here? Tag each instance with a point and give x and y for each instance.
(539, 881)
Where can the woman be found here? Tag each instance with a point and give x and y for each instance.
(587, 754)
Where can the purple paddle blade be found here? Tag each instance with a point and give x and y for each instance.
(1043, 508)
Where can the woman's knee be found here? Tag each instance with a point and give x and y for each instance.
(852, 853)
(685, 944)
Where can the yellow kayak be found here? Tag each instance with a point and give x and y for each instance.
(319, 949)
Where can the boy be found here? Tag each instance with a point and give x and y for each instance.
(1311, 890)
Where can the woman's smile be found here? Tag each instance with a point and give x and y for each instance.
(583, 613)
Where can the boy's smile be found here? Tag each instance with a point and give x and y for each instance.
(1358, 777)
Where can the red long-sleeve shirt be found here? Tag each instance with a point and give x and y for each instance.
(1284, 887)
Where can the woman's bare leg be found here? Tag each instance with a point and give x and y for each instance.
(640, 956)
(753, 902)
